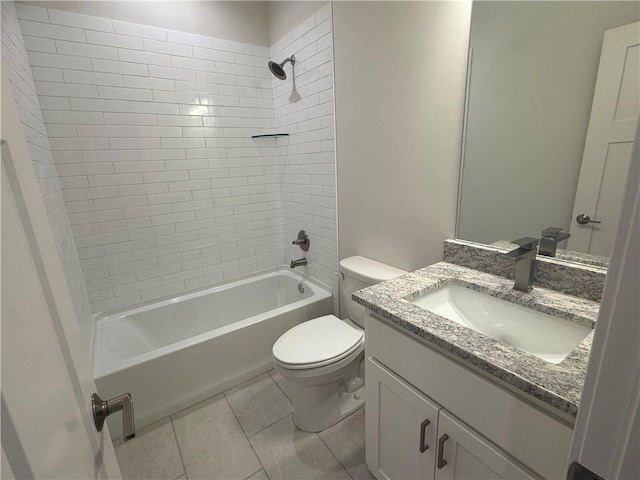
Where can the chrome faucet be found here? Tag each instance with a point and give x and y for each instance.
(302, 241)
(525, 260)
(551, 236)
(298, 263)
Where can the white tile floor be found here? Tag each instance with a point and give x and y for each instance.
(246, 432)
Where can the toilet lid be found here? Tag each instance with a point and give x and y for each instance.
(318, 340)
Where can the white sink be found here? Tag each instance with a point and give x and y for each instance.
(539, 334)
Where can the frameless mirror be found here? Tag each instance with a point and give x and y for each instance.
(535, 152)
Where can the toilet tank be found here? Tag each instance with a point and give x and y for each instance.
(358, 273)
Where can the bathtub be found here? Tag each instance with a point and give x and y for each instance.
(178, 351)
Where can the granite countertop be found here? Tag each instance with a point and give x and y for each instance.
(562, 254)
(558, 386)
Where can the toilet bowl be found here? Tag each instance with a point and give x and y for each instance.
(323, 358)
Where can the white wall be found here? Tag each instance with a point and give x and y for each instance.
(533, 78)
(399, 81)
(284, 17)
(239, 21)
(29, 108)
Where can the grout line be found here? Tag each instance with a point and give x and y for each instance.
(260, 470)
(274, 422)
(344, 419)
(334, 455)
(281, 389)
(245, 436)
(175, 435)
(270, 425)
(224, 394)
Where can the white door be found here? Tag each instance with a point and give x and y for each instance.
(606, 437)
(607, 151)
(47, 427)
(401, 427)
(463, 454)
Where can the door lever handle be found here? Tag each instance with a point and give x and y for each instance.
(103, 408)
(583, 219)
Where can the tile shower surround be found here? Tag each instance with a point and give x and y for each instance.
(20, 75)
(309, 178)
(151, 130)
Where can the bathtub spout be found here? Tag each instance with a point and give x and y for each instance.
(298, 263)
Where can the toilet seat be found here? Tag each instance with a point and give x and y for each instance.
(316, 343)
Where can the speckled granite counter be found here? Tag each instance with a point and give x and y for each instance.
(563, 255)
(586, 281)
(557, 386)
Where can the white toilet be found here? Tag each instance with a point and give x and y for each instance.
(323, 358)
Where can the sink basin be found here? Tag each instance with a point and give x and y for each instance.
(537, 333)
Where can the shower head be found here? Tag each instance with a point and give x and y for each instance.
(277, 68)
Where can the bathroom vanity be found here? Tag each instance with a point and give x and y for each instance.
(447, 401)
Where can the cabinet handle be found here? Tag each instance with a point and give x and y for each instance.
(441, 461)
(423, 436)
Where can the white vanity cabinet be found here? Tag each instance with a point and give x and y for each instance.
(465, 454)
(423, 406)
(410, 437)
(401, 427)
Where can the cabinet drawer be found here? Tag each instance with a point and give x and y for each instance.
(530, 435)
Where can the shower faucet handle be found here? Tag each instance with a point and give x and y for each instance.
(302, 241)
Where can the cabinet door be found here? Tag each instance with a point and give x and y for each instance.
(401, 427)
(464, 454)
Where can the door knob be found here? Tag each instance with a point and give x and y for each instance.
(103, 408)
(583, 219)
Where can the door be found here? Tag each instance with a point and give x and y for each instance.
(607, 150)
(463, 454)
(401, 426)
(606, 437)
(47, 428)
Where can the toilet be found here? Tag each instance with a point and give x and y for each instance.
(323, 358)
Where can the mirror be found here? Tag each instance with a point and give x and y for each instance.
(530, 89)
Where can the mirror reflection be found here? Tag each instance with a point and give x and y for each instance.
(549, 125)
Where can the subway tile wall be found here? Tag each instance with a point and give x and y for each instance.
(308, 186)
(151, 134)
(21, 76)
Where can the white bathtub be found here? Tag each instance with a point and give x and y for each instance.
(176, 352)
